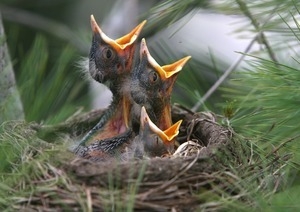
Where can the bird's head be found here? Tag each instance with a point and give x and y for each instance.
(110, 58)
(156, 142)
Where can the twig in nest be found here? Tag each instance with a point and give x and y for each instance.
(281, 145)
(89, 199)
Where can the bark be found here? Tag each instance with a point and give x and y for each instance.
(10, 103)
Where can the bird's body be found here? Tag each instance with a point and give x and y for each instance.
(106, 149)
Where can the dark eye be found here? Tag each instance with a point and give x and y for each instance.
(107, 53)
(153, 76)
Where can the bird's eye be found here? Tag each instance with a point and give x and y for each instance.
(153, 76)
(107, 54)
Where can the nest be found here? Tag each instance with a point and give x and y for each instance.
(212, 169)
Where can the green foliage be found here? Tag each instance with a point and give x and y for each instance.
(286, 200)
(266, 96)
(17, 145)
(27, 160)
(50, 94)
(271, 99)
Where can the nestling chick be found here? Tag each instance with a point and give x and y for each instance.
(108, 58)
(111, 61)
(152, 85)
(151, 140)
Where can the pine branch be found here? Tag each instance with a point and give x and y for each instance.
(244, 8)
(225, 75)
(230, 69)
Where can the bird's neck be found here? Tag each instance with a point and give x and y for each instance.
(165, 120)
(117, 115)
(117, 119)
(162, 112)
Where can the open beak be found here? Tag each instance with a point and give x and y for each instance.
(165, 71)
(120, 43)
(168, 135)
(171, 69)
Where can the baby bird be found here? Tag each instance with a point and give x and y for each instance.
(152, 85)
(111, 61)
(151, 140)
